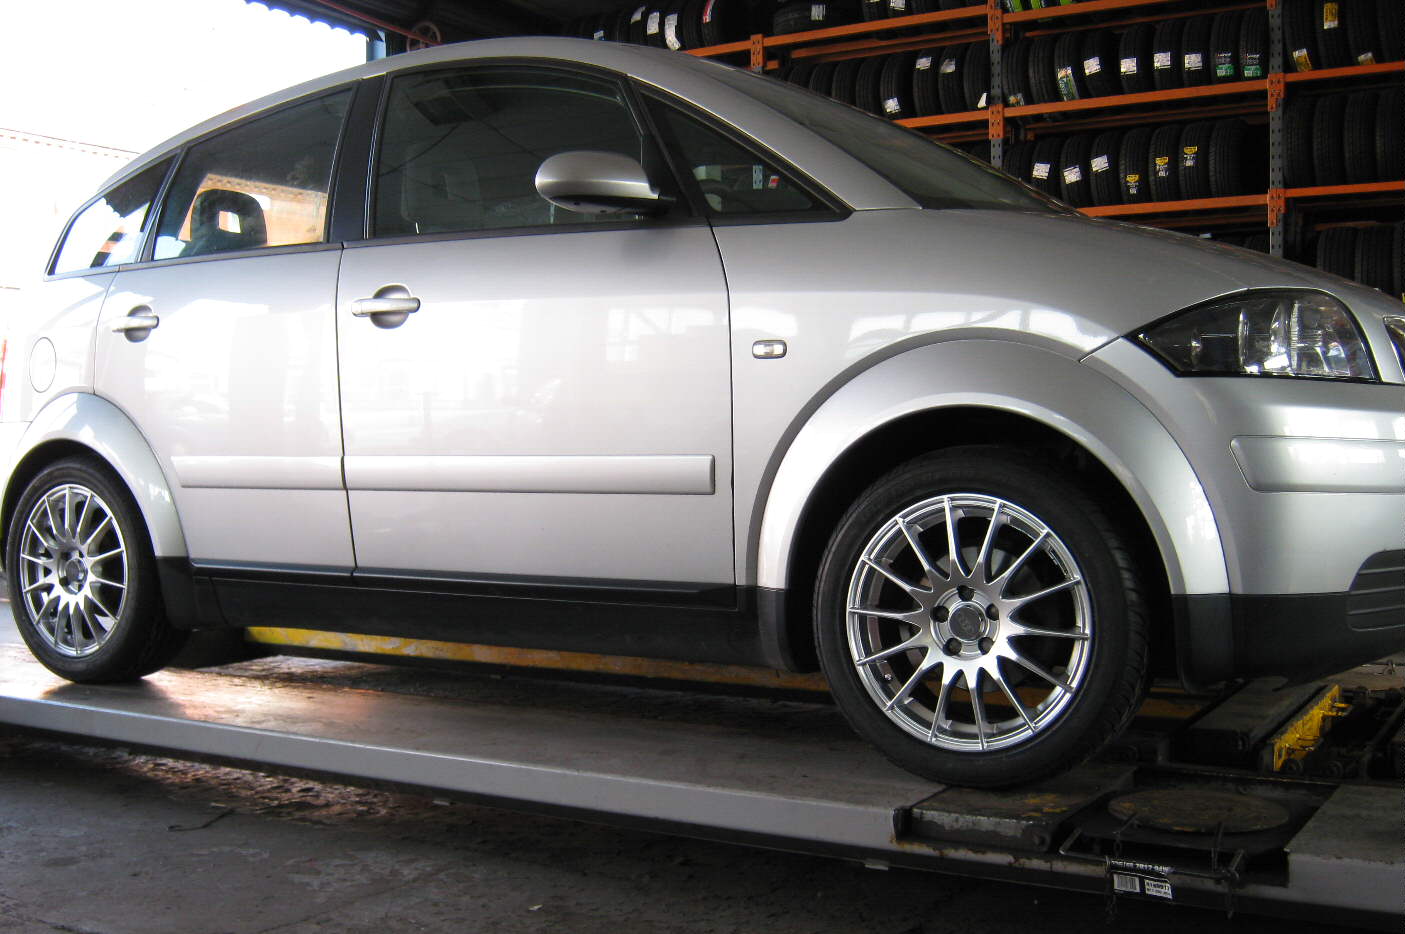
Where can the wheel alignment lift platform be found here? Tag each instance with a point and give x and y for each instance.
(766, 777)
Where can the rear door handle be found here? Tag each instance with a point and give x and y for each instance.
(137, 325)
(388, 308)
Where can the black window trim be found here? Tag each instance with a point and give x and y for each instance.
(174, 158)
(831, 207)
(682, 214)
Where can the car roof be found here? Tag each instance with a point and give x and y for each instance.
(686, 76)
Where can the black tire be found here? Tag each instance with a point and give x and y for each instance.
(873, 9)
(1226, 167)
(1197, 60)
(1259, 243)
(1329, 28)
(1375, 260)
(1328, 122)
(1299, 38)
(1132, 157)
(1161, 164)
(1390, 27)
(1134, 58)
(1108, 666)
(1390, 135)
(690, 24)
(1398, 262)
(951, 90)
(1166, 55)
(1015, 70)
(846, 74)
(1044, 165)
(1363, 39)
(724, 21)
(1017, 160)
(1075, 181)
(866, 85)
(822, 78)
(895, 86)
(636, 24)
(799, 73)
(1068, 67)
(654, 25)
(672, 31)
(1224, 46)
(1098, 63)
(1359, 138)
(1336, 251)
(1193, 160)
(139, 640)
(1102, 168)
(1043, 82)
(924, 82)
(1253, 45)
(619, 26)
(975, 76)
(1297, 143)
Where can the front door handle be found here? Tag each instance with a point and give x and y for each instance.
(388, 308)
(137, 325)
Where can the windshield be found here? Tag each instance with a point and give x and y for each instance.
(933, 175)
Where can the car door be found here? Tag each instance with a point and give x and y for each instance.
(557, 407)
(222, 346)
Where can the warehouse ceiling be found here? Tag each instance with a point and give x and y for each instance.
(454, 20)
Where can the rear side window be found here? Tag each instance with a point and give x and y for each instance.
(264, 183)
(460, 149)
(108, 231)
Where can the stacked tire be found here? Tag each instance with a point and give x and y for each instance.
(1321, 34)
(1345, 139)
(941, 80)
(675, 24)
(1372, 255)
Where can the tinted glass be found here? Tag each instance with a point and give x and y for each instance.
(261, 184)
(460, 149)
(108, 231)
(928, 172)
(734, 180)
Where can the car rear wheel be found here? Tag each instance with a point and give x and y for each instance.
(82, 580)
(980, 620)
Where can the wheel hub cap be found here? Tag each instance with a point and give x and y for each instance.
(967, 623)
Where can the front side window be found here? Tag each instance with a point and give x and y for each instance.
(460, 149)
(108, 231)
(264, 183)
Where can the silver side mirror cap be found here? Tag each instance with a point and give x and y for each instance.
(598, 183)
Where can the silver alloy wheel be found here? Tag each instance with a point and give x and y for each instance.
(73, 569)
(962, 596)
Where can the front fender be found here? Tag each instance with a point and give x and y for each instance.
(98, 425)
(1019, 379)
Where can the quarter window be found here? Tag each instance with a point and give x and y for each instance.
(261, 184)
(460, 149)
(108, 231)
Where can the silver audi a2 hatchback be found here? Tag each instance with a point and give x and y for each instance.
(571, 345)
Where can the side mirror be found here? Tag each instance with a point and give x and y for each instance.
(598, 183)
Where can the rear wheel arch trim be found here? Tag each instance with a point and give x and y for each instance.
(1000, 376)
(84, 420)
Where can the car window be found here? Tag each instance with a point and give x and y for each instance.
(263, 183)
(460, 149)
(733, 179)
(108, 231)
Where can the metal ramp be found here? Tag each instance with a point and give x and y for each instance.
(774, 774)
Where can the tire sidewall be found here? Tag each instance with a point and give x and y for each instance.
(1073, 517)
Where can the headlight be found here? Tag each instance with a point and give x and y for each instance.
(1394, 325)
(1279, 333)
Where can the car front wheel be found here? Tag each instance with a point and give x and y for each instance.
(980, 619)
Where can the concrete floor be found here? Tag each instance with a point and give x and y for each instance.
(104, 841)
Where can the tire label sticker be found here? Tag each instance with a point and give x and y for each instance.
(1101, 163)
(598, 35)
(1041, 170)
(1252, 68)
(1188, 155)
(1366, 58)
(1067, 89)
(1134, 184)
(1329, 15)
(670, 32)
(1134, 878)
(924, 63)
(817, 12)
(758, 177)
(1015, 100)
(1092, 66)
(652, 28)
(1194, 61)
(948, 66)
(1163, 166)
(892, 105)
(1302, 60)
(1224, 64)
(897, 6)
(1129, 66)
(636, 16)
(1161, 60)
(980, 104)
(707, 11)
(1072, 175)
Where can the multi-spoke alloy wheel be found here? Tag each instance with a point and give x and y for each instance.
(979, 619)
(73, 569)
(82, 578)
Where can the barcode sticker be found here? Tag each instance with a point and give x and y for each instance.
(892, 105)
(1129, 66)
(924, 63)
(1161, 60)
(652, 27)
(1041, 170)
(1091, 66)
(817, 12)
(1101, 163)
(1194, 61)
(1073, 174)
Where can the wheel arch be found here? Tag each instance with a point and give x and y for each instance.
(907, 405)
(85, 424)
